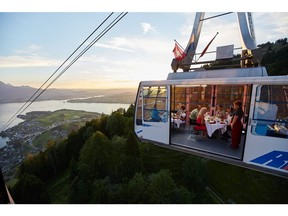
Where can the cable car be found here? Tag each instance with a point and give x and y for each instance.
(264, 136)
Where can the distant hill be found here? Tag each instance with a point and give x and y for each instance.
(13, 94)
(275, 57)
(272, 55)
(127, 97)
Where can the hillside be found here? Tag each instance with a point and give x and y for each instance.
(272, 55)
(275, 57)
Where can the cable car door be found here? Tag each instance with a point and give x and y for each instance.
(152, 102)
(267, 131)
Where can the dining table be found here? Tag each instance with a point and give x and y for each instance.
(177, 120)
(212, 124)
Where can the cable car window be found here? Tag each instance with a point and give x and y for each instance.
(271, 111)
(227, 94)
(154, 104)
(190, 96)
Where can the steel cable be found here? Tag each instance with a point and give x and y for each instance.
(99, 36)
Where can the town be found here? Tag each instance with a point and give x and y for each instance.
(37, 129)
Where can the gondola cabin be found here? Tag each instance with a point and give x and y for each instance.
(264, 138)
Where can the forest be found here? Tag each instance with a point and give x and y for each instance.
(104, 163)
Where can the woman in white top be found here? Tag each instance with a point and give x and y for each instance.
(182, 113)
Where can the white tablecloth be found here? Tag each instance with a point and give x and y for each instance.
(212, 127)
(177, 121)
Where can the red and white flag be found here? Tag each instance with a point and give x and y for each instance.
(178, 52)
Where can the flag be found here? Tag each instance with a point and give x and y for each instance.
(178, 52)
(204, 51)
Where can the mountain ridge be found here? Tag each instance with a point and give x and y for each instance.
(14, 94)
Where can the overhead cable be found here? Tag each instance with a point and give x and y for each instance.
(100, 35)
(30, 99)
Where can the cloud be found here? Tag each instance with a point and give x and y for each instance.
(146, 27)
(276, 22)
(144, 45)
(27, 57)
(26, 61)
(33, 49)
(133, 46)
(107, 46)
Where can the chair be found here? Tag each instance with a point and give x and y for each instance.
(193, 122)
(198, 128)
(200, 132)
(196, 131)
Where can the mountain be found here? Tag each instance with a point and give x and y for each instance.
(12, 94)
(9, 93)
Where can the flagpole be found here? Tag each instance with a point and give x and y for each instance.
(204, 51)
(178, 44)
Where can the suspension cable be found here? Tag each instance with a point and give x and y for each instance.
(100, 35)
(79, 55)
(12, 118)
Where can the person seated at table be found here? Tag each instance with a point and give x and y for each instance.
(220, 113)
(193, 115)
(182, 113)
(229, 114)
(201, 122)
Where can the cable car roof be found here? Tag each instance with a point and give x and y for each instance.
(224, 76)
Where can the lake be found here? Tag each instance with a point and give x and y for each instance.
(7, 110)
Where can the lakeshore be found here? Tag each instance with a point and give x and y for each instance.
(38, 129)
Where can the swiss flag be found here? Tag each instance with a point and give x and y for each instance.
(178, 52)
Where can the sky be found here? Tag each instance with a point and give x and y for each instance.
(34, 43)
